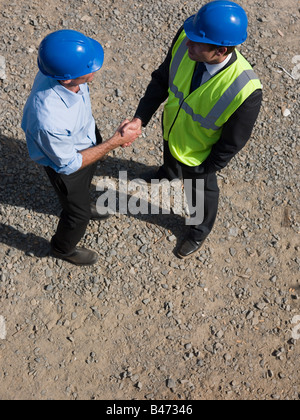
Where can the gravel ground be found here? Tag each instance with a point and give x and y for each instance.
(142, 324)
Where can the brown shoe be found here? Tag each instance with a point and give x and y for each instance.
(80, 256)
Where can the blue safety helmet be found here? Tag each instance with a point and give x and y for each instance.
(219, 23)
(68, 54)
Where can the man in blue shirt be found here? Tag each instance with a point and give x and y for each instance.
(62, 135)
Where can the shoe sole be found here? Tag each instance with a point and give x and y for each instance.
(77, 264)
(184, 257)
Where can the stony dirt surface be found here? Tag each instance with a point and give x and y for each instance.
(142, 324)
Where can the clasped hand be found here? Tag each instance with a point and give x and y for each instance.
(130, 131)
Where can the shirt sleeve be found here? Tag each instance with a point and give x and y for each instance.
(157, 90)
(59, 149)
(235, 134)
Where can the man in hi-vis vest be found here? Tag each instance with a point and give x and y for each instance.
(214, 98)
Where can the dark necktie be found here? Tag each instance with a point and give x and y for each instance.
(198, 74)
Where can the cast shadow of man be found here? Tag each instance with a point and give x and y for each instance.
(156, 214)
(25, 186)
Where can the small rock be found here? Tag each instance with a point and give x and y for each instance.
(139, 385)
(286, 112)
(2, 328)
(250, 315)
(119, 93)
(232, 252)
(260, 305)
(227, 357)
(2, 68)
(140, 312)
(171, 383)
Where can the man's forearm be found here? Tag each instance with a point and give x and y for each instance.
(157, 90)
(93, 154)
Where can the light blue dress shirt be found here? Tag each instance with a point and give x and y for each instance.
(58, 124)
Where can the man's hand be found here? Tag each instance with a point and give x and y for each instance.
(93, 154)
(128, 132)
(134, 125)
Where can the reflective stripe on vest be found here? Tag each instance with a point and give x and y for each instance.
(209, 122)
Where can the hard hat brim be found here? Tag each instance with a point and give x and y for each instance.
(99, 56)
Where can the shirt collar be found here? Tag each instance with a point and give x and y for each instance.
(68, 97)
(215, 68)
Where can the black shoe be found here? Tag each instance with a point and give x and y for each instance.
(189, 247)
(80, 256)
(102, 215)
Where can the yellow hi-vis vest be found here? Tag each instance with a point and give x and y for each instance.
(193, 122)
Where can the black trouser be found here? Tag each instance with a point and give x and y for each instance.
(174, 169)
(73, 192)
(74, 196)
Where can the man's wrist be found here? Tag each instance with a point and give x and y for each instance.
(137, 117)
(114, 141)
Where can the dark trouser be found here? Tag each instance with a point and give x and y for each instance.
(73, 192)
(174, 169)
(74, 196)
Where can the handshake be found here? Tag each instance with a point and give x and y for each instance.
(129, 131)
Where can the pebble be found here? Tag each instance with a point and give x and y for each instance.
(250, 315)
(3, 332)
(286, 112)
(232, 252)
(171, 383)
(2, 68)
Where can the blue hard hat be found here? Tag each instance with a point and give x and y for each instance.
(219, 23)
(68, 54)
